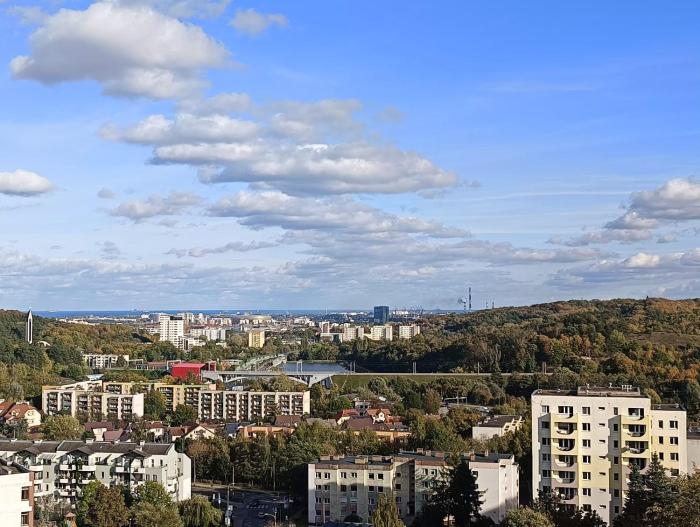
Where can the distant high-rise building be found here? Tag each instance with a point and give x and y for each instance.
(256, 338)
(385, 332)
(325, 326)
(381, 314)
(172, 328)
(29, 333)
(409, 331)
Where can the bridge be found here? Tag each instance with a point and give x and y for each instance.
(231, 378)
(309, 378)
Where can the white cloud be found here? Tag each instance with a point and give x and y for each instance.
(28, 15)
(275, 209)
(676, 200)
(130, 50)
(138, 210)
(253, 23)
(185, 128)
(222, 103)
(313, 169)
(23, 183)
(197, 252)
(109, 250)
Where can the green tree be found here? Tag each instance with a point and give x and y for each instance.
(152, 492)
(87, 502)
(154, 405)
(386, 514)
(685, 508)
(464, 498)
(431, 401)
(198, 512)
(61, 428)
(148, 514)
(184, 413)
(109, 509)
(526, 517)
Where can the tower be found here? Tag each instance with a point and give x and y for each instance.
(29, 332)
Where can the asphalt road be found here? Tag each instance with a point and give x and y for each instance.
(250, 508)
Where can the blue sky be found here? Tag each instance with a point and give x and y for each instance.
(213, 154)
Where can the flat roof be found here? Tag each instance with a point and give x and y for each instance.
(498, 421)
(594, 391)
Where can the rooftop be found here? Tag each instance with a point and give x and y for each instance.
(499, 421)
(625, 390)
(87, 447)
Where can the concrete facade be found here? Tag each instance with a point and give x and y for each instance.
(16, 495)
(585, 441)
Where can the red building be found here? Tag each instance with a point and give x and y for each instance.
(185, 369)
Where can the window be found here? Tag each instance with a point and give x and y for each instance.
(586, 491)
(615, 443)
(674, 456)
(25, 518)
(586, 427)
(371, 488)
(546, 473)
(545, 425)
(546, 457)
(380, 489)
(566, 410)
(545, 409)
(343, 488)
(380, 476)
(616, 410)
(661, 440)
(615, 428)
(616, 460)
(545, 441)
(371, 476)
(397, 486)
(587, 460)
(587, 475)
(587, 506)
(586, 410)
(344, 475)
(326, 475)
(661, 456)
(318, 475)
(616, 476)
(586, 443)
(673, 440)
(661, 423)
(673, 425)
(617, 509)
(25, 493)
(353, 475)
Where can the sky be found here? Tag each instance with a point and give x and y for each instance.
(214, 154)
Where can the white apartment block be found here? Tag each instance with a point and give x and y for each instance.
(251, 406)
(107, 399)
(324, 326)
(693, 441)
(585, 442)
(385, 332)
(341, 486)
(353, 333)
(215, 334)
(408, 332)
(86, 399)
(62, 468)
(171, 328)
(100, 361)
(16, 495)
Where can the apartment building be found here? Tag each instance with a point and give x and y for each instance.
(251, 406)
(216, 334)
(351, 485)
(89, 400)
(585, 442)
(109, 399)
(496, 425)
(385, 332)
(409, 331)
(100, 361)
(171, 328)
(353, 332)
(256, 338)
(16, 495)
(62, 468)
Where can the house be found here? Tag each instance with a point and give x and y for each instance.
(346, 414)
(98, 428)
(11, 412)
(254, 430)
(390, 432)
(497, 425)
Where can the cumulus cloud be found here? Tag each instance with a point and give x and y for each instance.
(254, 23)
(131, 50)
(197, 252)
(312, 169)
(23, 183)
(28, 15)
(275, 209)
(310, 121)
(185, 128)
(674, 201)
(222, 103)
(138, 210)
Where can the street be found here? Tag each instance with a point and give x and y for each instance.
(251, 508)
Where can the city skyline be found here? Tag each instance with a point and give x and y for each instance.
(302, 155)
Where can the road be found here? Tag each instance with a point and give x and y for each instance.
(250, 508)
